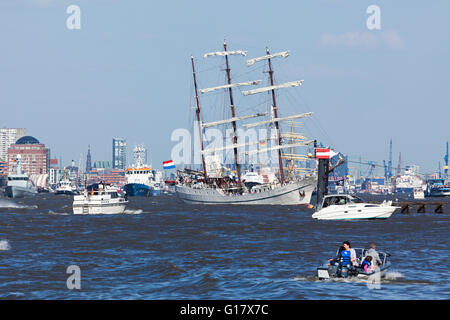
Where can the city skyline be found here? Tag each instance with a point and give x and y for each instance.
(120, 79)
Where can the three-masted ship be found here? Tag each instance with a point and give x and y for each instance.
(210, 188)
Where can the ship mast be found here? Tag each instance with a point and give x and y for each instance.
(233, 115)
(275, 111)
(197, 111)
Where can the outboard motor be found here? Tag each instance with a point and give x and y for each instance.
(333, 271)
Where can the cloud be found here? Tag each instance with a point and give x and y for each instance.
(393, 39)
(367, 39)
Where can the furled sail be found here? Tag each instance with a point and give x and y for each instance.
(225, 53)
(227, 86)
(299, 169)
(292, 145)
(231, 146)
(295, 157)
(284, 54)
(216, 123)
(279, 86)
(293, 136)
(302, 115)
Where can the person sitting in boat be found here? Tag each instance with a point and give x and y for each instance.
(376, 261)
(335, 261)
(367, 264)
(351, 252)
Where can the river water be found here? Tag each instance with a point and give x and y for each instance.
(164, 249)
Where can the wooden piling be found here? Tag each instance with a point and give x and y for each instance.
(439, 209)
(421, 207)
(405, 208)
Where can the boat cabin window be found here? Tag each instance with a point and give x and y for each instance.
(337, 200)
(356, 200)
(17, 178)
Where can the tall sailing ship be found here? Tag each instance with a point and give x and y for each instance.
(215, 184)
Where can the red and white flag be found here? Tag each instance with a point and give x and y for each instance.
(322, 153)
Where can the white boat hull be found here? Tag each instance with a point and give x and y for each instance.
(290, 194)
(355, 211)
(99, 209)
(323, 273)
(19, 192)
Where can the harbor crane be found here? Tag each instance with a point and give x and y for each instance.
(390, 160)
(446, 163)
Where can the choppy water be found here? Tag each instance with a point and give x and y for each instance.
(164, 249)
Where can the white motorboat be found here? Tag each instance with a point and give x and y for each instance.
(347, 207)
(100, 199)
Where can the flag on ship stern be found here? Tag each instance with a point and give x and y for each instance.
(168, 164)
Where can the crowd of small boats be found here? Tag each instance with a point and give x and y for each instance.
(217, 184)
(103, 198)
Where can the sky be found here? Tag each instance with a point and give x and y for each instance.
(126, 71)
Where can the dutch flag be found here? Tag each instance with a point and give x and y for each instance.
(168, 164)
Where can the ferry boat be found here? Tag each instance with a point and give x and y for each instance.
(213, 185)
(19, 185)
(141, 180)
(100, 199)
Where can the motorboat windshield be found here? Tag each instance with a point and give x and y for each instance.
(355, 199)
(340, 200)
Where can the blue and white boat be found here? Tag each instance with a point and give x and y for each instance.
(437, 188)
(141, 179)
